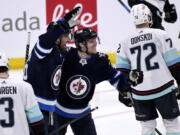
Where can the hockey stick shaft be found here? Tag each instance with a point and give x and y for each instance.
(72, 121)
(129, 95)
(27, 47)
(124, 5)
(157, 131)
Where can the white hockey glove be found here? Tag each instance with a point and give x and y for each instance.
(135, 77)
(70, 17)
(68, 21)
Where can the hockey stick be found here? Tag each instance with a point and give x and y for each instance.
(130, 96)
(72, 121)
(124, 5)
(27, 47)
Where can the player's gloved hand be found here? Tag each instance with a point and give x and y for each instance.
(68, 21)
(125, 99)
(170, 13)
(135, 77)
(69, 17)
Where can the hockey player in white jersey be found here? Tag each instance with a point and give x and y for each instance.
(18, 107)
(152, 51)
(158, 8)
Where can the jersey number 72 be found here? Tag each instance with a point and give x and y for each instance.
(148, 46)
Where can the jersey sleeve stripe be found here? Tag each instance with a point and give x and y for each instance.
(117, 75)
(35, 119)
(120, 81)
(115, 79)
(175, 65)
(173, 62)
(34, 114)
(124, 63)
(170, 55)
(124, 66)
(122, 60)
(38, 55)
(43, 50)
(123, 70)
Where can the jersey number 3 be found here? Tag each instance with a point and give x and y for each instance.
(146, 47)
(9, 109)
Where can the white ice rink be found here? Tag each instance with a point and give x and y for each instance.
(112, 117)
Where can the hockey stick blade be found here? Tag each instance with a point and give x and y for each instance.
(72, 121)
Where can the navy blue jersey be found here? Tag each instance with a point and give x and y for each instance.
(43, 69)
(79, 78)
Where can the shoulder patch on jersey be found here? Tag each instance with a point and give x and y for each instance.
(83, 61)
(78, 86)
(55, 78)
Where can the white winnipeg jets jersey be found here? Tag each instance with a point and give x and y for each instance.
(18, 107)
(151, 51)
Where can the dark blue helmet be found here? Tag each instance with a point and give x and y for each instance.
(82, 35)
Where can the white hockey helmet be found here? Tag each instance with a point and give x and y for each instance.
(4, 61)
(141, 14)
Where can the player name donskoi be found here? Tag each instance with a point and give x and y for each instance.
(143, 37)
(8, 90)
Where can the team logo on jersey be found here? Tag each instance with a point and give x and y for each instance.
(55, 79)
(78, 86)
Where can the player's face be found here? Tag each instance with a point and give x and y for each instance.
(91, 45)
(62, 41)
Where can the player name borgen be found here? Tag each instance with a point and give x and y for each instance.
(8, 90)
(143, 37)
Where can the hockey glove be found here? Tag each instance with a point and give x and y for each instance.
(70, 17)
(68, 21)
(125, 99)
(170, 13)
(135, 77)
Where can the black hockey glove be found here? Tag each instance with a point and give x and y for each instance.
(125, 99)
(67, 22)
(135, 77)
(170, 13)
